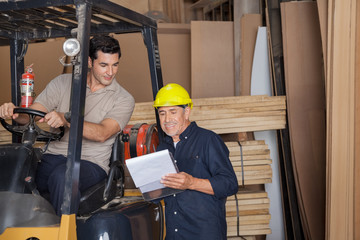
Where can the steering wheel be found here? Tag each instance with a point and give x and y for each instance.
(31, 126)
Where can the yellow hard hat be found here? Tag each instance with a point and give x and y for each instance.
(172, 95)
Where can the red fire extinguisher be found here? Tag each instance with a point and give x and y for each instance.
(27, 87)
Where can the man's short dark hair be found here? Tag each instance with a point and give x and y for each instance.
(106, 44)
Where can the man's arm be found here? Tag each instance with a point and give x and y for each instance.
(185, 181)
(92, 131)
(102, 131)
(98, 132)
(7, 112)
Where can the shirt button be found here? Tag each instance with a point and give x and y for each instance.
(176, 229)
(185, 137)
(174, 195)
(175, 213)
(175, 161)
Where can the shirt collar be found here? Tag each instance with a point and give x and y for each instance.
(188, 131)
(184, 135)
(111, 87)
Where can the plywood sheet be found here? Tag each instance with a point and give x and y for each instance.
(305, 90)
(323, 15)
(175, 53)
(249, 27)
(241, 7)
(212, 59)
(340, 91)
(174, 47)
(293, 228)
(357, 131)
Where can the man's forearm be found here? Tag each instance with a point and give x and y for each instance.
(94, 132)
(185, 181)
(202, 185)
(102, 131)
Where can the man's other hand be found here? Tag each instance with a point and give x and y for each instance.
(55, 119)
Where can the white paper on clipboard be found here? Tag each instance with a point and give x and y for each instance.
(147, 170)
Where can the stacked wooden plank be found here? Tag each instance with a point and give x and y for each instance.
(228, 114)
(248, 214)
(242, 238)
(255, 166)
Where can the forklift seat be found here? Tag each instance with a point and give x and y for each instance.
(103, 192)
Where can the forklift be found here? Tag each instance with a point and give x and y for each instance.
(104, 212)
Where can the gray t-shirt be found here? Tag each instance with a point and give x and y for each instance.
(113, 102)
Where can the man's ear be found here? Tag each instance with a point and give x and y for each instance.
(187, 112)
(89, 63)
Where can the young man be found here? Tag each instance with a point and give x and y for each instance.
(108, 108)
(206, 173)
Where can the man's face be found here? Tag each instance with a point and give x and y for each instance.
(174, 120)
(104, 68)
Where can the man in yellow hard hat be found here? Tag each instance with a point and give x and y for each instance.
(205, 171)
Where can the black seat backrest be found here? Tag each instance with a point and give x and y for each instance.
(117, 153)
(103, 192)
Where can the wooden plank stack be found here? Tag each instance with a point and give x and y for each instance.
(248, 214)
(256, 167)
(228, 114)
(242, 238)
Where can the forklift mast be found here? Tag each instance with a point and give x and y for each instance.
(26, 21)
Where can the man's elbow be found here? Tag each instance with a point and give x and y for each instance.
(102, 138)
(98, 137)
(235, 186)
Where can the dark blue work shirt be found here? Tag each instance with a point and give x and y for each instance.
(193, 215)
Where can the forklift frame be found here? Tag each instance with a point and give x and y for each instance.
(32, 20)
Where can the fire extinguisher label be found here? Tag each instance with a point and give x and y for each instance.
(27, 86)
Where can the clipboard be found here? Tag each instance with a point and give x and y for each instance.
(147, 170)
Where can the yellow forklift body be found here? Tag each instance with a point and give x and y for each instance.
(66, 231)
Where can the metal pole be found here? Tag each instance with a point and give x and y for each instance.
(17, 68)
(77, 107)
(151, 42)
